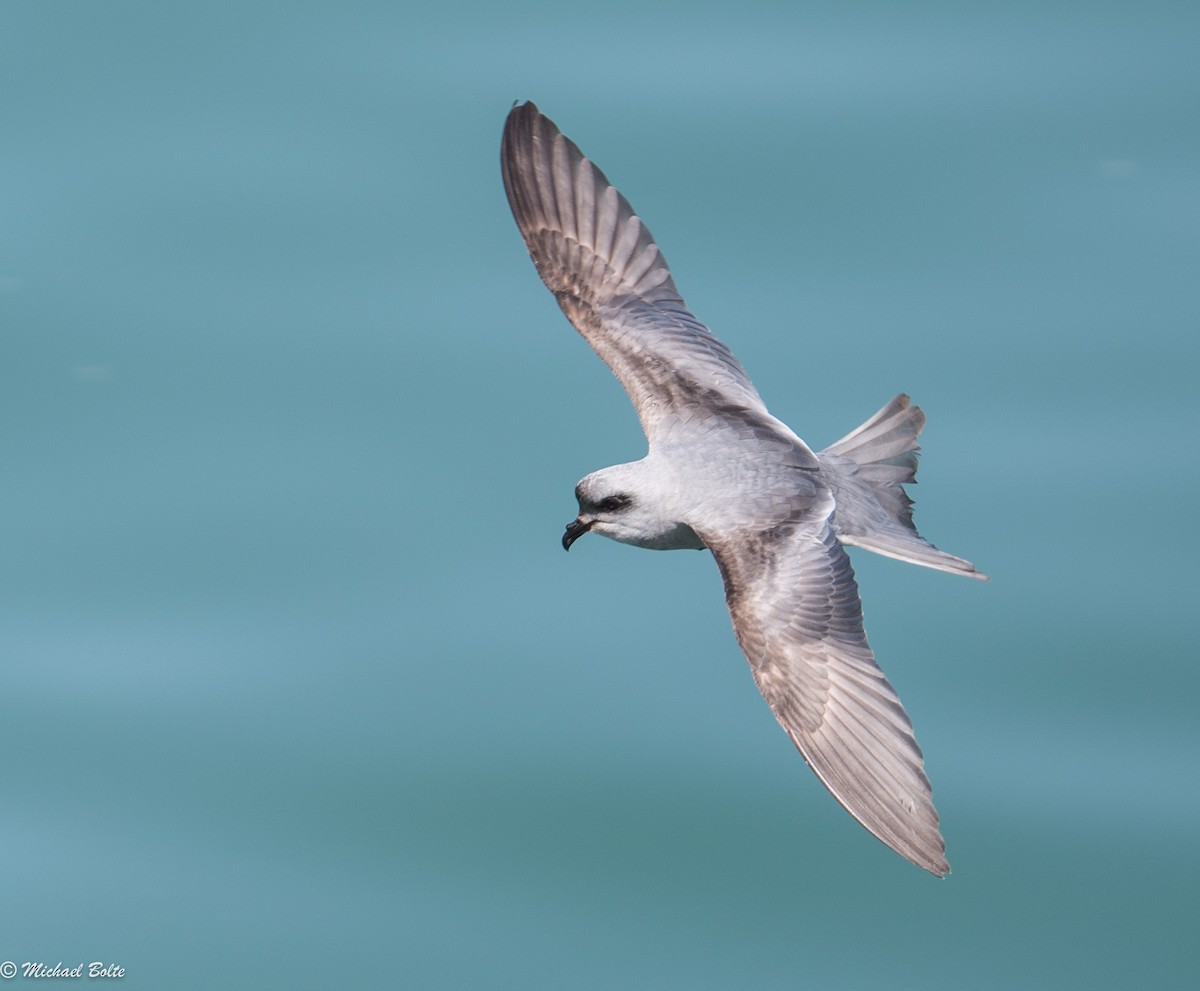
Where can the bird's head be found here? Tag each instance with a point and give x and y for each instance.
(629, 504)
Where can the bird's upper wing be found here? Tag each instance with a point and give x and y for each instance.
(610, 279)
(798, 618)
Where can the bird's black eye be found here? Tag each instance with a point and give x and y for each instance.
(614, 503)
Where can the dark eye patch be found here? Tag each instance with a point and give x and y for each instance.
(614, 503)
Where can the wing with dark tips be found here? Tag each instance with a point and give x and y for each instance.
(601, 263)
(796, 611)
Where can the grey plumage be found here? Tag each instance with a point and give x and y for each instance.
(721, 472)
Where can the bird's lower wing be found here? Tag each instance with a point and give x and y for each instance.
(798, 618)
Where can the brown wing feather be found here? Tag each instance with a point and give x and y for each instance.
(798, 618)
(602, 265)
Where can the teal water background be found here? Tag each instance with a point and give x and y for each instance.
(297, 687)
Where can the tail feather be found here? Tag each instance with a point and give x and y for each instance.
(913, 549)
(889, 438)
(867, 470)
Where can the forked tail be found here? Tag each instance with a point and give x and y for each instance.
(867, 470)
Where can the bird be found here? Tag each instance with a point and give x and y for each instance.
(722, 473)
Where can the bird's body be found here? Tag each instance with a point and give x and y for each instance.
(722, 473)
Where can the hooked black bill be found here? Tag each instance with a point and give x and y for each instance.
(575, 529)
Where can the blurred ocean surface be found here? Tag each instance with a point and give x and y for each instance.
(298, 687)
